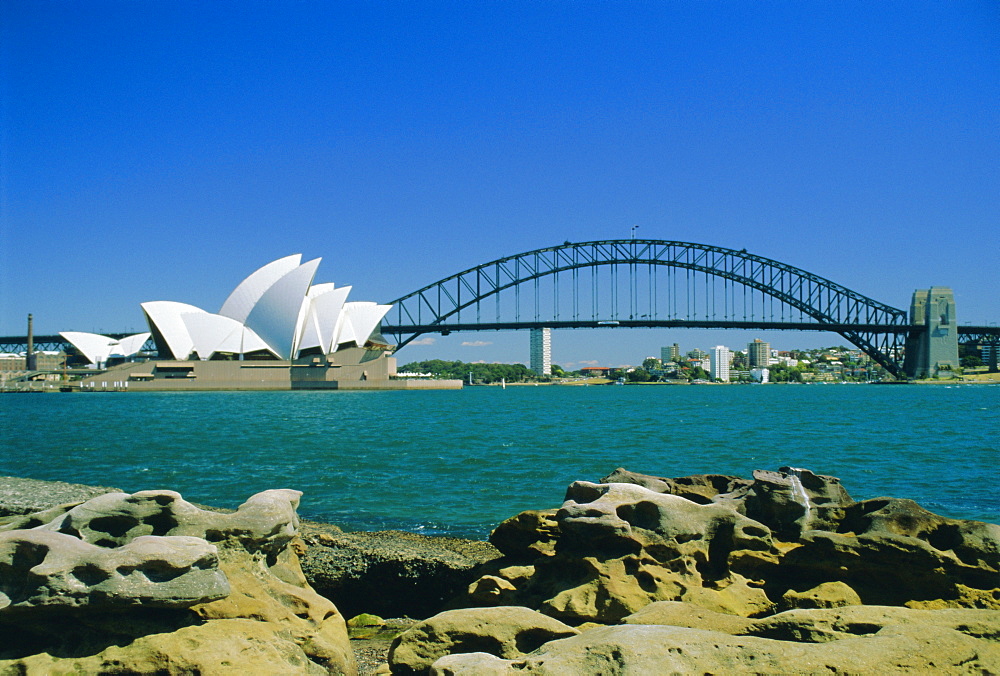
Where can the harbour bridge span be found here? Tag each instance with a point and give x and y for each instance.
(650, 283)
(660, 283)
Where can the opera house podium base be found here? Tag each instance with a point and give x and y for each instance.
(347, 369)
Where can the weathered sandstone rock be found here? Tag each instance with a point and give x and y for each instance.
(834, 624)
(651, 649)
(41, 568)
(787, 539)
(670, 637)
(621, 546)
(893, 552)
(527, 535)
(507, 631)
(110, 585)
(791, 501)
(266, 522)
(680, 614)
(700, 488)
(825, 595)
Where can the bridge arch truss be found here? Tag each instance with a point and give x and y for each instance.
(648, 283)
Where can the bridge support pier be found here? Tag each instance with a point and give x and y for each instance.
(933, 352)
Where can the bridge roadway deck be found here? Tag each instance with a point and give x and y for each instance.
(647, 323)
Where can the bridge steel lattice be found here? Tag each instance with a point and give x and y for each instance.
(648, 283)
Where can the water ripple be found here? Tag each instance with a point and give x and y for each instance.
(459, 462)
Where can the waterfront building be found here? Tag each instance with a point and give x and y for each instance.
(670, 353)
(720, 358)
(759, 354)
(989, 352)
(701, 362)
(760, 375)
(541, 351)
(18, 363)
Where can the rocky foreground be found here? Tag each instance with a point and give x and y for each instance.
(781, 573)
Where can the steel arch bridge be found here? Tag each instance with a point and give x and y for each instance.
(648, 283)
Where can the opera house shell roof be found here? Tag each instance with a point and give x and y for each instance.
(275, 313)
(97, 348)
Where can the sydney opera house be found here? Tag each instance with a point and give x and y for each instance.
(276, 330)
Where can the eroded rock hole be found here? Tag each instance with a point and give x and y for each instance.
(27, 555)
(945, 537)
(116, 525)
(161, 571)
(89, 574)
(643, 514)
(162, 522)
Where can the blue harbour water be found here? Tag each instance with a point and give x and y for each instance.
(459, 462)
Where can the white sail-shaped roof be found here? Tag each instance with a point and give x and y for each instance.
(164, 317)
(215, 333)
(359, 320)
(275, 317)
(132, 344)
(246, 295)
(97, 348)
(275, 309)
(325, 303)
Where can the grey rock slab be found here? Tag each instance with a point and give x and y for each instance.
(266, 521)
(24, 496)
(40, 568)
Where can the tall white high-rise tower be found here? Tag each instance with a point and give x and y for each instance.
(720, 358)
(541, 351)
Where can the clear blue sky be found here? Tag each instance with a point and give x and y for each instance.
(164, 150)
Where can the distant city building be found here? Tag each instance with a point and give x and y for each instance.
(698, 363)
(595, 371)
(44, 361)
(670, 353)
(541, 351)
(760, 375)
(759, 354)
(720, 358)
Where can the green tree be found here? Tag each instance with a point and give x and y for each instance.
(698, 373)
(971, 361)
(481, 373)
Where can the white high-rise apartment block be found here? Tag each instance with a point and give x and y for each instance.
(720, 357)
(541, 351)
